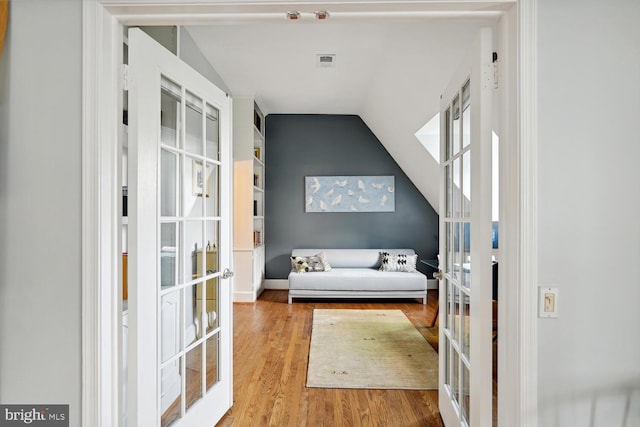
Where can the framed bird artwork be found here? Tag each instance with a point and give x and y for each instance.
(349, 193)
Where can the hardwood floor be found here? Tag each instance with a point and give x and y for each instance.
(271, 345)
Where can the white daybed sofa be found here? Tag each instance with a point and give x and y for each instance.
(355, 273)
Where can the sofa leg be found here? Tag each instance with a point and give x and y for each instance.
(290, 299)
(424, 300)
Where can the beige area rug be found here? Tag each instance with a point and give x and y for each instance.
(376, 349)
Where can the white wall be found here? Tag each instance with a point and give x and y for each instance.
(40, 205)
(589, 205)
(171, 36)
(191, 54)
(396, 112)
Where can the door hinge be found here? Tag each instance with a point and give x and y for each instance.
(125, 77)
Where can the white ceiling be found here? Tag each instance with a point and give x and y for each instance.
(390, 72)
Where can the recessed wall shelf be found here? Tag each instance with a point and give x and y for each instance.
(248, 198)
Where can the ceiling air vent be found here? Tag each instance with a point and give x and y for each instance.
(326, 60)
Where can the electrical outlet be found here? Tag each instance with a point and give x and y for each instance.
(548, 302)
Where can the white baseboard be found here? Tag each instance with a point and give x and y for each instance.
(282, 284)
(432, 284)
(243, 297)
(248, 296)
(260, 290)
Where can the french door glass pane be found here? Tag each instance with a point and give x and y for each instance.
(466, 184)
(455, 125)
(212, 190)
(455, 375)
(192, 316)
(212, 148)
(198, 302)
(170, 117)
(212, 233)
(171, 393)
(193, 381)
(447, 261)
(456, 188)
(212, 300)
(447, 359)
(456, 253)
(212, 360)
(170, 338)
(194, 268)
(466, 254)
(447, 317)
(196, 189)
(448, 173)
(455, 335)
(465, 322)
(194, 123)
(465, 392)
(466, 115)
(169, 184)
(168, 251)
(211, 305)
(448, 145)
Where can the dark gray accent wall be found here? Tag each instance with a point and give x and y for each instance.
(310, 145)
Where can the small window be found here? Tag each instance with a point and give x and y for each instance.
(429, 136)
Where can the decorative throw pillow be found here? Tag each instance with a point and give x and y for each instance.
(299, 264)
(398, 262)
(324, 261)
(313, 263)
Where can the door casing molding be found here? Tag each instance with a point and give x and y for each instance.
(526, 391)
(101, 306)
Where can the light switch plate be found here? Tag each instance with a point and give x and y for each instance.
(548, 302)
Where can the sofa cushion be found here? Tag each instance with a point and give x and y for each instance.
(358, 279)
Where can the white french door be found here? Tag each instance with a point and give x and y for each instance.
(179, 346)
(465, 349)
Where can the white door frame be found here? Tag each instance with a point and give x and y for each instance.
(102, 38)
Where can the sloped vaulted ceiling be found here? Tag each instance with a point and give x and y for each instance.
(390, 72)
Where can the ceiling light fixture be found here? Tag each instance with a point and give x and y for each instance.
(322, 15)
(293, 15)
